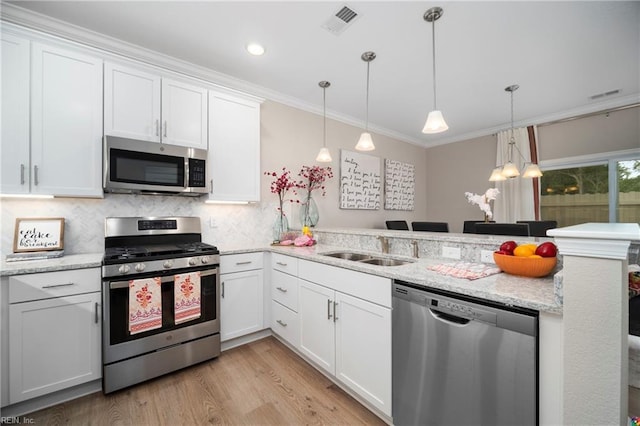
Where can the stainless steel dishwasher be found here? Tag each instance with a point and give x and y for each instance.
(462, 361)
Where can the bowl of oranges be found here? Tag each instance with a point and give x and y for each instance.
(527, 260)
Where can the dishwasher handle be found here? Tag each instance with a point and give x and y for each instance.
(448, 318)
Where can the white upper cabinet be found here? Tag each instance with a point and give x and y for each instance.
(66, 122)
(14, 162)
(234, 148)
(143, 105)
(131, 103)
(184, 114)
(51, 120)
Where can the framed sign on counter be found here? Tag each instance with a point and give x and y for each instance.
(359, 181)
(38, 234)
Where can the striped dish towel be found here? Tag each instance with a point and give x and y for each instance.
(187, 297)
(145, 304)
(468, 270)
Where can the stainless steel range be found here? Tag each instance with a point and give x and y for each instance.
(161, 304)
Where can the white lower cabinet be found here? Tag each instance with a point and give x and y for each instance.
(241, 295)
(284, 298)
(343, 323)
(54, 332)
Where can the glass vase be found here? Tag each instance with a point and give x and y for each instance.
(280, 226)
(309, 214)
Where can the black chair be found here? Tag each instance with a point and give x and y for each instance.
(538, 228)
(515, 229)
(469, 226)
(400, 225)
(430, 226)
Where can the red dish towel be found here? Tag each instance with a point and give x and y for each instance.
(468, 270)
(187, 297)
(145, 304)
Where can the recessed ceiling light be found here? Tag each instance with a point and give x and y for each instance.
(255, 49)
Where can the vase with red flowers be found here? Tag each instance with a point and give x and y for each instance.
(281, 186)
(313, 178)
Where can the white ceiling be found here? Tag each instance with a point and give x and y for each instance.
(560, 53)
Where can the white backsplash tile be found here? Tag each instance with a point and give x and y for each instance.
(84, 218)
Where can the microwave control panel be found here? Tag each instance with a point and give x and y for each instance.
(197, 173)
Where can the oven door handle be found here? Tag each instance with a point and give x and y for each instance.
(168, 278)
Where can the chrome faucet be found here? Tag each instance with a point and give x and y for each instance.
(416, 252)
(384, 244)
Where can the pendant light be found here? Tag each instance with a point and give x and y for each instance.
(365, 143)
(324, 156)
(435, 121)
(509, 169)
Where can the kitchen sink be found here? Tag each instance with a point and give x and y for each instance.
(350, 256)
(367, 258)
(384, 262)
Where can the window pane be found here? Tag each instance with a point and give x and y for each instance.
(575, 195)
(628, 191)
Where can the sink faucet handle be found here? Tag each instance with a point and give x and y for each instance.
(384, 243)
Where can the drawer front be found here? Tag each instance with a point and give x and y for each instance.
(288, 264)
(284, 289)
(359, 284)
(23, 288)
(240, 262)
(284, 322)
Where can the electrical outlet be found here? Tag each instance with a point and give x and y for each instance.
(486, 256)
(212, 222)
(451, 252)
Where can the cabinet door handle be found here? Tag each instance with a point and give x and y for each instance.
(244, 263)
(35, 175)
(157, 127)
(211, 190)
(284, 324)
(335, 313)
(284, 290)
(222, 285)
(21, 174)
(281, 263)
(96, 319)
(58, 285)
(164, 132)
(328, 309)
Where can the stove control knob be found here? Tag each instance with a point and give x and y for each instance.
(192, 261)
(140, 267)
(167, 264)
(123, 269)
(205, 260)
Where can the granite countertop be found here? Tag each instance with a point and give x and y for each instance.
(532, 293)
(63, 263)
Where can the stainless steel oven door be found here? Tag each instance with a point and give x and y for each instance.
(119, 343)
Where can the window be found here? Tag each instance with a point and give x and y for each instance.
(591, 189)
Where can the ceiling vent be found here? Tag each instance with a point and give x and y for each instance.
(602, 95)
(342, 19)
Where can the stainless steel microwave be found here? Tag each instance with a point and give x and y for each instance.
(136, 166)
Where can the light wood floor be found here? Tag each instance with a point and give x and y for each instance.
(262, 383)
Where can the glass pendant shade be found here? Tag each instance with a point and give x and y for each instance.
(510, 170)
(365, 143)
(532, 171)
(435, 123)
(496, 175)
(324, 156)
